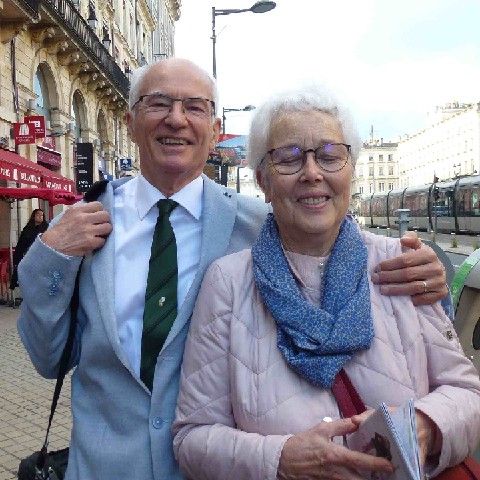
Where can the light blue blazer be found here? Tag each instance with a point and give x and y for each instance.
(120, 430)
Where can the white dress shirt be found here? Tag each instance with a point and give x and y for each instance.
(135, 216)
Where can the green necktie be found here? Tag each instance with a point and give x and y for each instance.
(161, 294)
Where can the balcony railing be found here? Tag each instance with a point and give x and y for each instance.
(68, 16)
(31, 7)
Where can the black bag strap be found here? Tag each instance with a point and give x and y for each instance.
(91, 195)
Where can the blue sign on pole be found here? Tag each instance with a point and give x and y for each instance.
(125, 164)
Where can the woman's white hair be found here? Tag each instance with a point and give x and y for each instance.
(139, 74)
(306, 97)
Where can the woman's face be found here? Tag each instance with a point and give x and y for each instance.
(38, 217)
(309, 206)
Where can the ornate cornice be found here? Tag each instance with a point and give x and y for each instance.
(174, 7)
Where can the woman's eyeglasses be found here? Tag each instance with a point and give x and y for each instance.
(290, 160)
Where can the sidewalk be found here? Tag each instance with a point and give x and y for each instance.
(25, 400)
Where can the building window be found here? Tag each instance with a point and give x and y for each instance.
(380, 171)
(380, 158)
(371, 188)
(370, 171)
(360, 189)
(390, 186)
(390, 170)
(381, 187)
(390, 157)
(370, 158)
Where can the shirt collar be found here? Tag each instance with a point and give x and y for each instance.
(189, 197)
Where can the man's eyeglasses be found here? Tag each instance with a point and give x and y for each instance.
(290, 160)
(192, 107)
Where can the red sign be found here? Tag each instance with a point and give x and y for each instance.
(38, 123)
(48, 142)
(49, 157)
(24, 133)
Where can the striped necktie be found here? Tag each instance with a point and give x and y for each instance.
(161, 294)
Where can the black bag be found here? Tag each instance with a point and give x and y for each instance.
(43, 465)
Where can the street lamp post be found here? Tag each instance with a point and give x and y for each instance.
(247, 108)
(258, 7)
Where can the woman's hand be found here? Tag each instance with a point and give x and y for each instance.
(406, 274)
(313, 455)
(429, 436)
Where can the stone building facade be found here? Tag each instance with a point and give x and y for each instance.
(447, 148)
(70, 61)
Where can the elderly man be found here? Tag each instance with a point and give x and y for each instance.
(133, 318)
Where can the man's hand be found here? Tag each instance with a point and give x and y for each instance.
(408, 273)
(82, 229)
(312, 454)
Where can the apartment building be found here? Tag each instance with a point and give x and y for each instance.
(447, 148)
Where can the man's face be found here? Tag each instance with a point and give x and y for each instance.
(173, 145)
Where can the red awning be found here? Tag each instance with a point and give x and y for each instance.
(15, 168)
(53, 196)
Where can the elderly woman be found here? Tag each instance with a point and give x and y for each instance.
(274, 325)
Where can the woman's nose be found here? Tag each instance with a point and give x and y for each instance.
(311, 169)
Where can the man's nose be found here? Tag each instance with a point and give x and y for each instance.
(176, 116)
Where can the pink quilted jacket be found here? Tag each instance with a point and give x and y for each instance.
(239, 402)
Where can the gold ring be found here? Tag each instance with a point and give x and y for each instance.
(425, 287)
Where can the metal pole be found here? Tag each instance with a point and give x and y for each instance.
(238, 179)
(214, 40)
(223, 121)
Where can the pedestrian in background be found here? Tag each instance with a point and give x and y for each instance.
(37, 224)
(125, 386)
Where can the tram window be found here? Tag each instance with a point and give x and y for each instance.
(469, 205)
(445, 203)
(418, 204)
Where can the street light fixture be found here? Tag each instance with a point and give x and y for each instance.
(258, 7)
(247, 108)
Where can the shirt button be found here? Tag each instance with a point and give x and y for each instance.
(157, 422)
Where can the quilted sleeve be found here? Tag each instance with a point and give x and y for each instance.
(454, 399)
(207, 443)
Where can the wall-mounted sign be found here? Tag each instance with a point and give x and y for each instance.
(84, 165)
(38, 123)
(125, 164)
(24, 133)
(47, 156)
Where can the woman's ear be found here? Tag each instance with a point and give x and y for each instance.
(262, 184)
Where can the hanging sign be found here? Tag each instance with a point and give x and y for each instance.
(84, 166)
(23, 133)
(38, 124)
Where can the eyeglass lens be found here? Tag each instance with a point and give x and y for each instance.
(330, 157)
(163, 104)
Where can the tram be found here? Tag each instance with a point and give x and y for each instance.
(451, 206)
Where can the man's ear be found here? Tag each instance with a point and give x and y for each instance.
(130, 125)
(215, 133)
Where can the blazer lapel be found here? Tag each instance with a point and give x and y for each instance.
(218, 218)
(103, 268)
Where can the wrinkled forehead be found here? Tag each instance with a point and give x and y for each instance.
(177, 80)
(303, 127)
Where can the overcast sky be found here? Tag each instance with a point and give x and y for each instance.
(393, 60)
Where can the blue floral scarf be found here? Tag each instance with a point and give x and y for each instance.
(317, 342)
